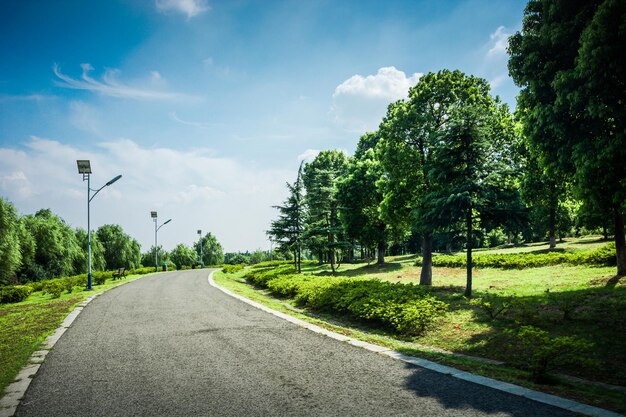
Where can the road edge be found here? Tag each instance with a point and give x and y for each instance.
(15, 391)
(519, 391)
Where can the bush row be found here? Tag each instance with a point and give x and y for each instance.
(56, 286)
(232, 269)
(14, 293)
(602, 256)
(406, 308)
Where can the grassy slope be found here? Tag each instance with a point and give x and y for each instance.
(24, 326)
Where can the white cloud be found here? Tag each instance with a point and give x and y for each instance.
(189, 7)
(195, 188)
(499, 40)
(308, 155)
(175, 117)
(360, 102)
(85, 117)
(110, 86)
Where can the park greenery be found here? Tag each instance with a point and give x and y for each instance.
(451, 167)
(538, 320)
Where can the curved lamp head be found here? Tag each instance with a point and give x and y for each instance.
(113, 180)
(166, 222)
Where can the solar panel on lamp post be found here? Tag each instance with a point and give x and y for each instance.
(153, 214)
(84, 167)
(200, 236)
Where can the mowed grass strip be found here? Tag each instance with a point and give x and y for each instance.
(24, 326)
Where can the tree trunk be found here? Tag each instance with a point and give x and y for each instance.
(552, 223)
(426, 276)
(620, 241)
(381, 253)
(468, 285)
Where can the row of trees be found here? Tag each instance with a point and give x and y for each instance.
(452, 166)
(188, 256)
(42, 246)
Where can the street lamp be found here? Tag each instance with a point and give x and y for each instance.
(153, 214)
(84, 167)
(200, 236)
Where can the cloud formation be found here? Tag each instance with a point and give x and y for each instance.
(499, 40)
(189, 7)
(110, 86)
(360, 102)
(196, 188)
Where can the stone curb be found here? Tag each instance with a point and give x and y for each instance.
(423, 363)
(15, 391)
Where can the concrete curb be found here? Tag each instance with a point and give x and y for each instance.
(423, 363)
(15, 391)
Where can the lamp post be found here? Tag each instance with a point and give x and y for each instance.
(200, 236)
(153, 214)
(84, 167)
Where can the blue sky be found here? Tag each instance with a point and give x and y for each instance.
(207, 107)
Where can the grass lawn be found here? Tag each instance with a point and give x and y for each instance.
(25, 325)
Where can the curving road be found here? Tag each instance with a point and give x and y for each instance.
(171, 345)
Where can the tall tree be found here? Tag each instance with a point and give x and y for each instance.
(471, 171)
(10, 253)
(56, 250)
(212, 252)
(288, 230)
(97, 253)
(183, 255)
(568, 60)
(360, 197)
(120, 250)
(320, 179)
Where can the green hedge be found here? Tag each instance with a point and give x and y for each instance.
(232, 269)
(602, 256)
(14, 293)
(405, 308)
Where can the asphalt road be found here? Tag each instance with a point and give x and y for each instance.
(171, 345)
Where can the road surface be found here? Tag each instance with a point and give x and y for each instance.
(171, 345)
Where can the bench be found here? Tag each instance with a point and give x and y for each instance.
(119, 274)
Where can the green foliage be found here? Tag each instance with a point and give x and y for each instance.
(212, 252)
(14, 293)
(54, 287)
(406, 308)
(120, 250)
(321, 178)
(97, 253)
(602, 256)
(10, 254)
(270, 264)
(233, 269)
(57, 250)
(99, 279)
(182, 255)
(537, 351)
(492, 305)
(260, 276)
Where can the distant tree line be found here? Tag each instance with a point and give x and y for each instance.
(452, 168)
(42, 246)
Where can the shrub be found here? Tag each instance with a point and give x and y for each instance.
(54, 287)
(492, 305)
(99, 279)
(68, 284)
(415, 317)
(14, 293)
(540, 353)
(232, 269)
(260, 277)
